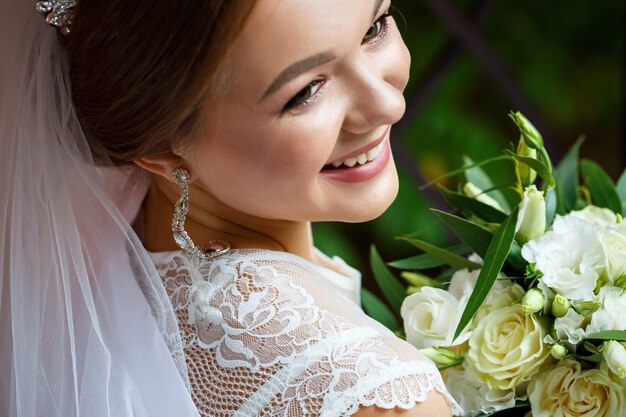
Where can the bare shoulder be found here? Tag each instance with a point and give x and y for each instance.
(435, 405)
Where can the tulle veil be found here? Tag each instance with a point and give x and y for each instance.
(86, 328)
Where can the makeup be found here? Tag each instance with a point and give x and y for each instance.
(362, 164)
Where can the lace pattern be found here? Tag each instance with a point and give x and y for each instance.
(266, 333)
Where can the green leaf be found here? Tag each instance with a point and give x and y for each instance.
(619, 335)
(376, 309)
(449, 258)
(462, 170)
(542, 169)
(566, 175)
(551, 205)
(621, 191)
(476, 237)
(595, 358)
(391, 287)
(477, 176)
(494, 259)
(472, 207)
(600, 186)
(515, 258)
(426, 261)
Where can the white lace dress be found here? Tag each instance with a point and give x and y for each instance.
(268, 333)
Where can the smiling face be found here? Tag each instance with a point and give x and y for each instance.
(300, 131)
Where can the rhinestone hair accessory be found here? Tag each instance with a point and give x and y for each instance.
(59, 13)
(216, 248)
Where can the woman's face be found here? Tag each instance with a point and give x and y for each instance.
(308, 85)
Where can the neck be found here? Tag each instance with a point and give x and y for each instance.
(210, 219)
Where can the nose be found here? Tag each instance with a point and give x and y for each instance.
(374, 89)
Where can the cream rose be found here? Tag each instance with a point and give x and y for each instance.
(568, 391)
(431, 316)
(506, 348)
(474, 396)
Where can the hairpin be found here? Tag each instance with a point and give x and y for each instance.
(58, 13)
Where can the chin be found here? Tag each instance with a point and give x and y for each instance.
(372, 206)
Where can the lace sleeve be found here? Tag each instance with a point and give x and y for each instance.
(264, 337)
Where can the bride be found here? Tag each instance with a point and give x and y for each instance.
(161, 164)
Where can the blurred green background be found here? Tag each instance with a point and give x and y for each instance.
(561, 63)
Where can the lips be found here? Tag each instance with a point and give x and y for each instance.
(361, 156)
(362, 164)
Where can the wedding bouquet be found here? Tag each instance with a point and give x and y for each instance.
(529, 310)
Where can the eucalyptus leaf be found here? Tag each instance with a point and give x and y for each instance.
(494, 259)
(390, 286)
(472, 207)
(477, 176)
(426, 261)
(566, 176)
(475, 236)
(600, 186)
(449, 258)
(619, 335)
(378, 310)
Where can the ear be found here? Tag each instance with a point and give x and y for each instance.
(162, 165)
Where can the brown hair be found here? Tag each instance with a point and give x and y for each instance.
(139, 69)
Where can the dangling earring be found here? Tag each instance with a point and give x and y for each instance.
(216, 248)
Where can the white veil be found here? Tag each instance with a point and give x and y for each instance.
(86, 328)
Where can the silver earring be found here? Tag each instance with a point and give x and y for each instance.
(216, 248)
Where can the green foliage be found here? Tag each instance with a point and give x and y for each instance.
(449, 258)
(390, 286)
(377, 310)
(427, 261)
(566, 174)
(474, 235)
(619, 335)
(472, 207)
(601, 186)
(494, 259)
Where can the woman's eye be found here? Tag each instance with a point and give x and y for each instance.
(379, 28)
(306, 95)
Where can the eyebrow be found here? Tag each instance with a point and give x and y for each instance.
(306, 64)
(293, 70)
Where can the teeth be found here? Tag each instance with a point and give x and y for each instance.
(362, 158)
(350, 162)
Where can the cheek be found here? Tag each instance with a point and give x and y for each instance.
(269, 156)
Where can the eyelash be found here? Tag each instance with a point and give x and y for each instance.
(382, 33)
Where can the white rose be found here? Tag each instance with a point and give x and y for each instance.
(531, 220)
(474, 396)
(596, 215)
(570, 257)
(431, 316)
(612, 314)
(567, 391)
(570, 329)
(463, 281)
(613, 241)
(506, 348)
